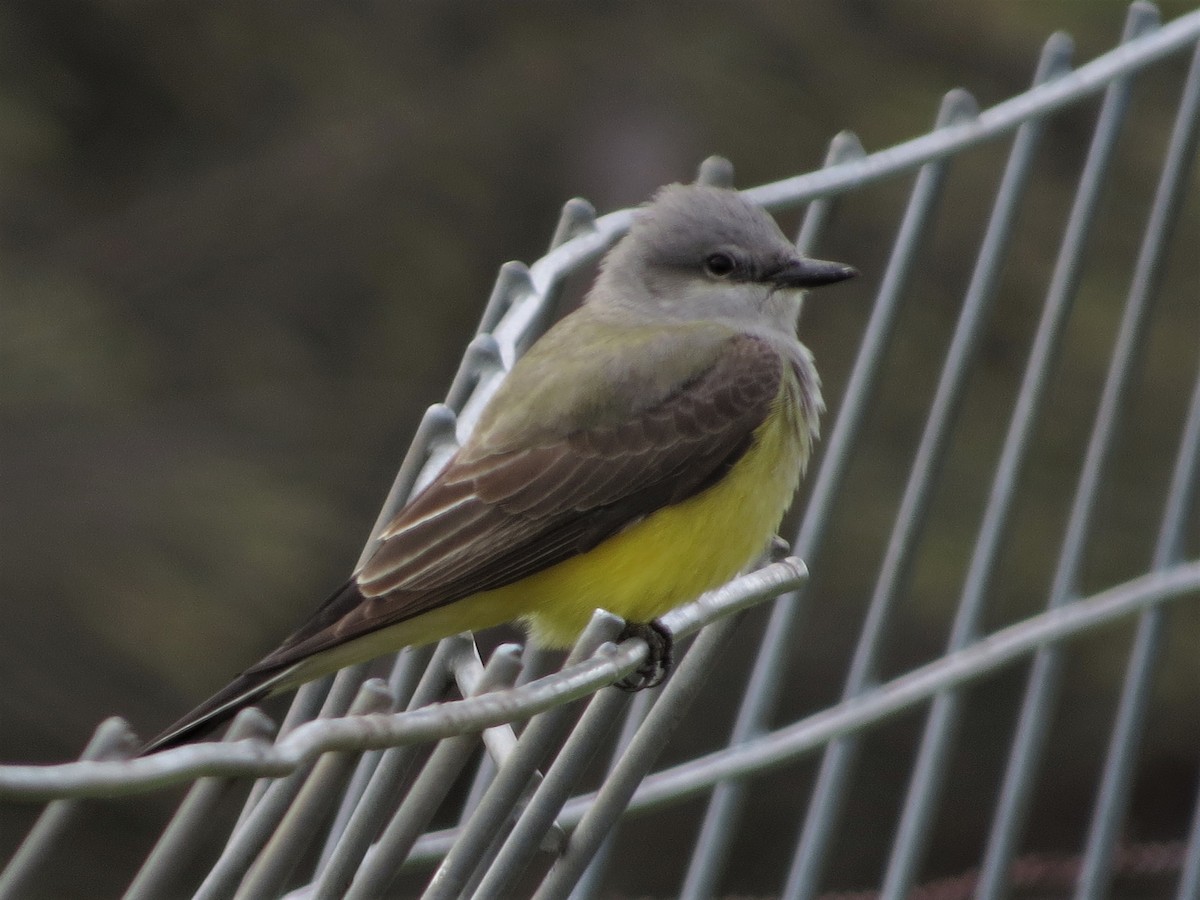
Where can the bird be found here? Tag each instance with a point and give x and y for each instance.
(641, 452)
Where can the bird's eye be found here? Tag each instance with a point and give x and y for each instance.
(719, 265)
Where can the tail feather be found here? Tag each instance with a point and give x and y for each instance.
(245, 690)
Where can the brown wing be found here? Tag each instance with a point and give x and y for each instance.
(488, 521)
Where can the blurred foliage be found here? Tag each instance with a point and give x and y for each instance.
(243, 245)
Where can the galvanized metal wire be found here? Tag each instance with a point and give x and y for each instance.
(346, 797)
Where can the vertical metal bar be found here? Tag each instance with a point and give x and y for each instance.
(577, 217)
(539, 815)
(351, 798)
(305, 706)
(178, 841)
(512, 283)
(311, 808)
(641, 754)
(535, 663)
(436, 428)
(762, 691)
(380, 795)
(423, 799)
(1115, 783)
(481, 359)
(1182, 491)
(405, 678)
(716, 171)
(589, 884)
(913, 831)
(436, 438)
(841, 755)
(1044, 678)
(436, 431)
(496, 807)
(335, 693)
(252, 833)
(844, 147)
(318, 697)
(112, 739)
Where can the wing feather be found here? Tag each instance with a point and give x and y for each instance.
(490, 519)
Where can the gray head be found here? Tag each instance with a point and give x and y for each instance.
(699, 252)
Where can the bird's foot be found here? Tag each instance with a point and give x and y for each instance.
(659, 660)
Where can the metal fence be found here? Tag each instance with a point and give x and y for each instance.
(521, 787)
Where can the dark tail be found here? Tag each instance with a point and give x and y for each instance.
(265, 677)
(245, 690)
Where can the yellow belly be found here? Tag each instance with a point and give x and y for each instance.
(677, 553)
(669, 558)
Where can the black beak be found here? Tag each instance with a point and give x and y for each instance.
(809, 273)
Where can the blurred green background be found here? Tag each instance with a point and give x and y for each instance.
(242, 247)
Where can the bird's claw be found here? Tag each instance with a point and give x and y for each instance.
(659, 660)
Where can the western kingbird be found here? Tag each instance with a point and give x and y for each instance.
(640, 453)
